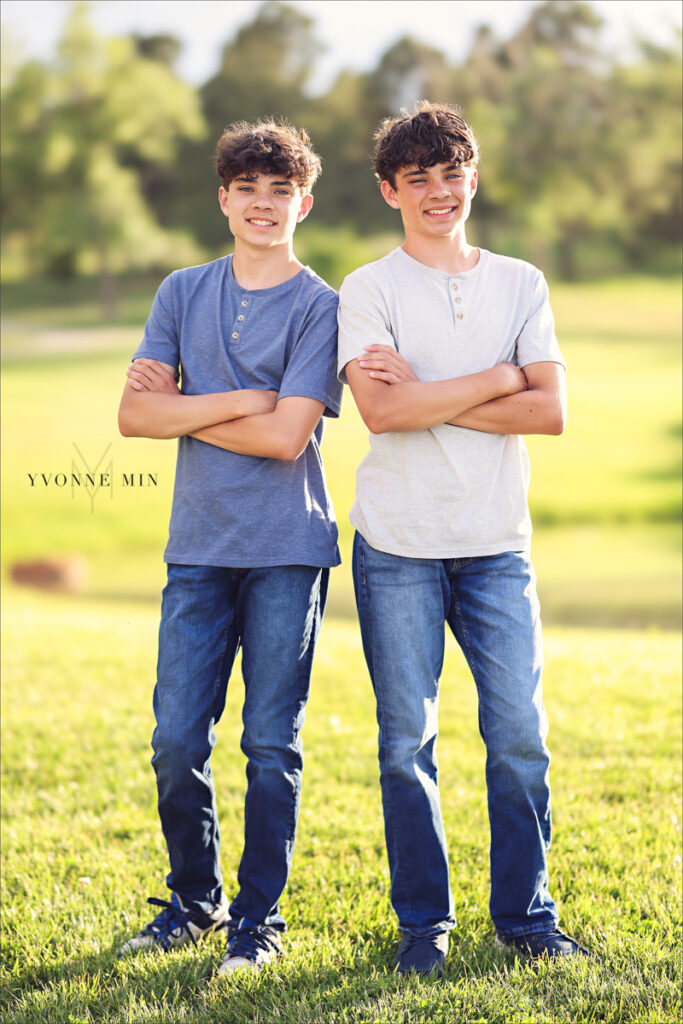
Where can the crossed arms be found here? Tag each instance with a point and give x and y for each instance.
(501, 400)
(247, 421)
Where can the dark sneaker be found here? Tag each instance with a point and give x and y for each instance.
(250, 945)
(422, 954)
(539, 944)
(176, 925)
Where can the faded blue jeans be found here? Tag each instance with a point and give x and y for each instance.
(207, 613)
(490, 605)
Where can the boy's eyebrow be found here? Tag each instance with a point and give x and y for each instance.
(421, 170)
(253, 177)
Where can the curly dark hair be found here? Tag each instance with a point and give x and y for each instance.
(267, 147)
(435, 133)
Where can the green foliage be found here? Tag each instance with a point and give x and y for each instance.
(104, 149)
(82, 846)
(93, 120)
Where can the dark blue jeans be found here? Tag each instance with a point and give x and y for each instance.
(207, 613)
(491, 607)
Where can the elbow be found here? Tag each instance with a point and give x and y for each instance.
(126, 425)
(290, 448)
(558, 421)
(556, 426)
(379, 421)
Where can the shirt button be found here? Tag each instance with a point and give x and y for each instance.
(459, 316)
(241, 316)
(235, 334)
(454, 285)
(245, 302)
(458, 299)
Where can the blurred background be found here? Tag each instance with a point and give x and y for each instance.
(110, 114)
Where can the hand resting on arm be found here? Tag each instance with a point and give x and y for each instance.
(390, 397)
(254, 422)
(537, 407)
(152, 405)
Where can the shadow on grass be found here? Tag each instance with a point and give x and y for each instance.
(183, 986)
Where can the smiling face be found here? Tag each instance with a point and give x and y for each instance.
(263, 210)
(434, 201)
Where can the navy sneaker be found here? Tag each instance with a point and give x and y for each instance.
(540, 944)
(250, 945)
(176, 925)
(422, 954)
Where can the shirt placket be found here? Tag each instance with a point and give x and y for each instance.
(457, 302)
(240, 319)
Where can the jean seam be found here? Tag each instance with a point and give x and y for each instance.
(363, 591)
(304, 677)
(474, 664)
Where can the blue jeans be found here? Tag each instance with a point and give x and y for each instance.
(207, 613)
(490, 605)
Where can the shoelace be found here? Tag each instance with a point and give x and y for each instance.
(171, 918)
(409, 940)
(246, 938)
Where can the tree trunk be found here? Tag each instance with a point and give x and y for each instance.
(569, 270)
(109, 291)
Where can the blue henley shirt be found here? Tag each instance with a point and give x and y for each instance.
(241, 510)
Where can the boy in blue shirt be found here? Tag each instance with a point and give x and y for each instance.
(252, 534)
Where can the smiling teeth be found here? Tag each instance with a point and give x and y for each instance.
(265, 223)
(439, 213)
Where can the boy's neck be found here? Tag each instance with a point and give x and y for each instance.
(263, 268)
(453, 255)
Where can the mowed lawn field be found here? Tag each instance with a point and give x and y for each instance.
(82, 848)
(80, 837)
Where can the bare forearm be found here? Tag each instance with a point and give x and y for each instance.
(163, 415)
(529, 412)
(282, 434)
(419, 405)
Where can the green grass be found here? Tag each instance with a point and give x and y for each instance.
(82, 847)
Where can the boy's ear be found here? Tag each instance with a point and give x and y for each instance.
(389, 193)
(473, 182)
(223, 200)
(305, 208)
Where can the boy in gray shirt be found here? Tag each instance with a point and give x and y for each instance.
(252, 534)
(451, 355)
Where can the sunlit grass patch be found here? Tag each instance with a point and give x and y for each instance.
(82, 846)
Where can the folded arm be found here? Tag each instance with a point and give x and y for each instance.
(541, 409)
(152, 405)
(391, 398)
(280, 434)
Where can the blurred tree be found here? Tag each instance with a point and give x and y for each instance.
(408, 71)
(104, 150)
(76, 134)
(540, 103)
(644, 149)
(162, 47)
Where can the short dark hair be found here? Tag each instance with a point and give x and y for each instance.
(435, 133)
(267, 147)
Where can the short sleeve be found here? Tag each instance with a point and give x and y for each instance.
(537, 342)
(362, 318)
(160, 340)
(312, 368)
